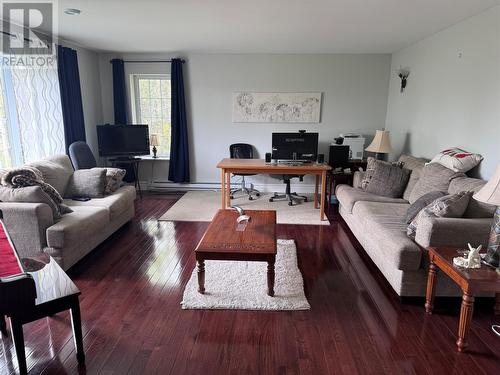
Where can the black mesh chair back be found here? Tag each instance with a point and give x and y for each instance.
(81, 156)
(241, 151)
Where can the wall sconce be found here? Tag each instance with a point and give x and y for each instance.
(403, 74)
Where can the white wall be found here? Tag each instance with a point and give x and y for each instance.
(88, 66)
(453, 92)
(354, 91)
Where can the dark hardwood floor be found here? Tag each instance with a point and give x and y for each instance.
(133, 324)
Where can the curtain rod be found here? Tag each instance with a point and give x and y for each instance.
(149, 61)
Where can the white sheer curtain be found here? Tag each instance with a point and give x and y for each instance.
(39, 113)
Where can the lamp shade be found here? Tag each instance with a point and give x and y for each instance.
(153, 140)
(490, 193)
(381, 144)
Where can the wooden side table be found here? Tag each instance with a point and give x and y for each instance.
(343, 178)
(470, 281)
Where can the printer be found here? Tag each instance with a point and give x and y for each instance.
(356, 144)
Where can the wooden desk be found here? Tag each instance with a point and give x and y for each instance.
(259, 166)
(470, 281)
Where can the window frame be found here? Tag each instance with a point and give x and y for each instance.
(135, 97)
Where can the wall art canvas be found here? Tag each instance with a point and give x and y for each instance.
(302, 107)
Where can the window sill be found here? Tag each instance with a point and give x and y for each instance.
(149, 157)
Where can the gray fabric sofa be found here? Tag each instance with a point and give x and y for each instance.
(379, 225)
(70, 238)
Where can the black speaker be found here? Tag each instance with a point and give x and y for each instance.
(339, 156)
(321, 158)
(268, 157)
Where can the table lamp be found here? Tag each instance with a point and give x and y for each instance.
(153, 141)
(490, 193)
(381, 144)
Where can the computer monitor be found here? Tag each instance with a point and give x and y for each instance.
(295, 146)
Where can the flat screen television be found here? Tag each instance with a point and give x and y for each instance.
(123, 140)
(295, 146)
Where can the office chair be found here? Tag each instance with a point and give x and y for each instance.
(81, 156)
(288, 196)
(243, 151)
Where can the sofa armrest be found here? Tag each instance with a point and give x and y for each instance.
(357, 178)
(27, 224)
(456, 232)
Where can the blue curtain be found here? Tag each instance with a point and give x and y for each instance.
(71, 95)
(119, 93)
(179, 149)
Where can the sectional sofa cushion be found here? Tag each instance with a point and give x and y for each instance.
(457, 159)
(388, 180)
(56, 171)
(435, 177)
(421, 203)
(475, 209)
(87, 183)
(384, 223)
(348, 196)
(116, 202)
(77, 227)
(416, 165)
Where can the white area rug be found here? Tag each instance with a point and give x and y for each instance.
(243, 285)
(202, 206)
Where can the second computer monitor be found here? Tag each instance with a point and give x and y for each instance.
(295, 146)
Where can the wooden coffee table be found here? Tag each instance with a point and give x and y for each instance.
(221, 241)
(470, 281)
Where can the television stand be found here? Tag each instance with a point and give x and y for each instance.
(134, 161)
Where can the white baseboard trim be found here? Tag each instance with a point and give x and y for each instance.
(297, 187)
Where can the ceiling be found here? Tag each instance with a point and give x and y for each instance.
(260, 26)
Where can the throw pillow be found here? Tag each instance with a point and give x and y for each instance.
(435, 177)
(453, 205)
(114, 178)
(388, 180)
(33, 194)
(87, 183)
(421, 203)
(416, 165)
(457, 159)
(371, 162)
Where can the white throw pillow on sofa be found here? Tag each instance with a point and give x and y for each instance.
(457, 159)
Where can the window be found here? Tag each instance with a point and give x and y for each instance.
(152, 95)
(31, 124)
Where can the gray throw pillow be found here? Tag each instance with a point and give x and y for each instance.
(114, 179)
(453, 205)
(33, 194)
(87, 183)
(371, 163)
(434, 177)
(388, 180)
(421, 203)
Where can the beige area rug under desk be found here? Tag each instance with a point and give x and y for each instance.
(202, 206)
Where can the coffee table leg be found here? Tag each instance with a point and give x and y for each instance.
(465, 319)
(18, 336)
(3, 325)
(76, 322)
(201, 276)
(270, 278)
(431, 288)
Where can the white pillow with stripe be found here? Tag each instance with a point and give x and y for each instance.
(457, 159)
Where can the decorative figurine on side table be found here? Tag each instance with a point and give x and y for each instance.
(473, 259)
